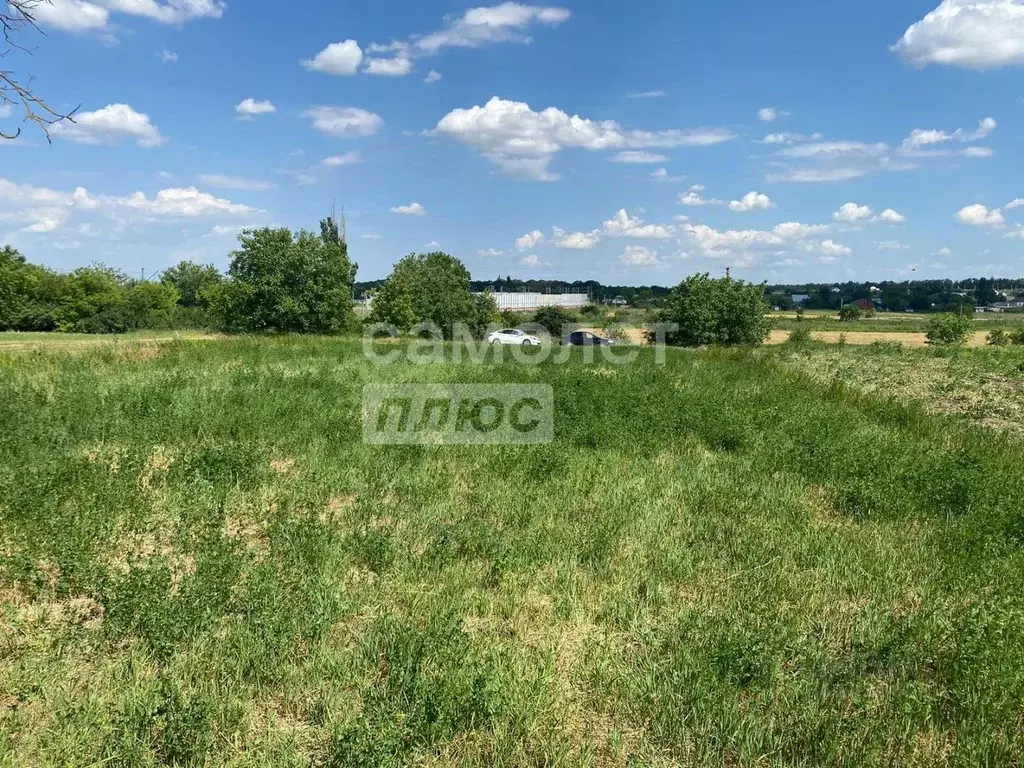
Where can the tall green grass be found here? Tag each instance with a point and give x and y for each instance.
(717, 562)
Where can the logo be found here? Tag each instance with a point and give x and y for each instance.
(458, 414)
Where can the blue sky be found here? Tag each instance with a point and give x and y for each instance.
(628, 143)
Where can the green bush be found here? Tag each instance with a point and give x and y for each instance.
(849, 313)
(511, 319)
(716, 311)
(948, 330)
(800, 335)
(999, 338)
(392, 304)
(617, 334)
(555, 320)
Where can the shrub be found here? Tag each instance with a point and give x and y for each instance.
(392, 304)
(591, 310)
(617, 333)
(512, 319)
(555, 320)
(722, 311)
(1017, 336)
(799, 314)
(485, 313)
(849, 313)
(999, 338)
(948, 330)
(799, 336)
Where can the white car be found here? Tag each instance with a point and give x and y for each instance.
(513, 337)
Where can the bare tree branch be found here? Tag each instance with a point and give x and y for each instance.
(16, 17)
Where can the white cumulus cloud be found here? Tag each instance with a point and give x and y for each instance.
(624, 225)
(76, 16)
(852, 213)
(250, 108)
(693, 197)
(533, 260)
(751, 201)
(889, 216)
(530, 240)
(396, 67)
(795, 230)
(184, 203)
(432, 77)
(716, 243)
(577, 241)
(170, 12)
(829, 249)
(973, 34)
(82, 16)
(523, 142)
(336, 59)
(113, 124)
(980, 216)
(638, 256)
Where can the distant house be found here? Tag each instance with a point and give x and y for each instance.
(800, 298)
(864, 304)
(1002, 306)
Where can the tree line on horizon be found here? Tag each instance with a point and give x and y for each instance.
(277, 282)
(305, 282)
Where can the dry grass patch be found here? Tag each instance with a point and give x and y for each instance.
(157, 465)
(283, 467)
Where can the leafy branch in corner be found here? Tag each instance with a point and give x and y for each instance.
(15, 17)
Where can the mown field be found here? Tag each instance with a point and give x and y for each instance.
(728, 560)
(889, 322)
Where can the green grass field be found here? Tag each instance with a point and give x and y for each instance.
(723, 561)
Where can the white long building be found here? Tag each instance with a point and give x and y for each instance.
(526, 302)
